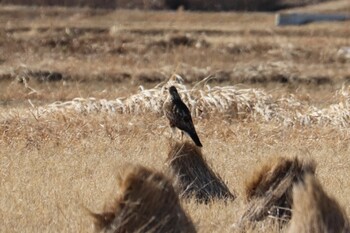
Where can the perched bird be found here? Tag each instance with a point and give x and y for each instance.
(179, 116)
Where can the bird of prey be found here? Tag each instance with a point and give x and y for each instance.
(179, 116)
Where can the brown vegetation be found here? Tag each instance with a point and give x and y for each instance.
(63, 141)
(315, 211)
(147, 202)
(132, 48)
(194, 176)
(269, 189)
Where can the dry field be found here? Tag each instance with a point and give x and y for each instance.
(73, 114)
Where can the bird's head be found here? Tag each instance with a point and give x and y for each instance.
(173, 92)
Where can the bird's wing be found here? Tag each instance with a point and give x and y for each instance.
(183, 117)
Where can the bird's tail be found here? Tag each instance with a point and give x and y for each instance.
(195, 138)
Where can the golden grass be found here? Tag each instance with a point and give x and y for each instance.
(52, 169)
(57, 159)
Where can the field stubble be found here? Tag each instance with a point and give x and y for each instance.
(52, 170)
(57, 159)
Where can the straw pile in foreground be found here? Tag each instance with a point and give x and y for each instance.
(314, 211)
(147, 203)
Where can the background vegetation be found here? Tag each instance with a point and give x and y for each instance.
(80, 97)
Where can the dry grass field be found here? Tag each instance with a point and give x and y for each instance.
(81, 93)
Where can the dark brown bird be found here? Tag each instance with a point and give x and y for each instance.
(179, 116)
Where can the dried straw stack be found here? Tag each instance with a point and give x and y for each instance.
(194, 176)
(147, 203)
(269, 190)
(314, 211)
